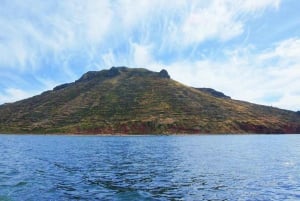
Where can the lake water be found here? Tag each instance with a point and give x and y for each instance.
(219, 167)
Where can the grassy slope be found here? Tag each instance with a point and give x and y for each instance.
(139, 101)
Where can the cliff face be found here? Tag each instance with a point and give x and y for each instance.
(138, 101)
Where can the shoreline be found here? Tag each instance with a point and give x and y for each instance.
(141, 135)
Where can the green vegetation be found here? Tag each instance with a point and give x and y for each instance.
(137, 101)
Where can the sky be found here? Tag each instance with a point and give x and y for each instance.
(248, 49)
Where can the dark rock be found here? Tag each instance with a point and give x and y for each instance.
(88, 76)
(213, 92)
(164, 74)
(61, 86)
(113, 72)
(298, 112)
(49, 91)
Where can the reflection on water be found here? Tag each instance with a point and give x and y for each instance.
(252, 167)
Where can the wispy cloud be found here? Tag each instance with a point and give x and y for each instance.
(270, 76)
(14, 94)
(56, 27)
(201, 43)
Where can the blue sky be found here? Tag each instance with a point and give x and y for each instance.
(248, 49)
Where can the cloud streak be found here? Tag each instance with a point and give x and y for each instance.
(201, 43)
(36, 31)
(14, 94)
(270, 77)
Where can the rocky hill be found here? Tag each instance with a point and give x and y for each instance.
(138, 101)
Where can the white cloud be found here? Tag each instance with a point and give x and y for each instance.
(215, 21)
(220, 19)
(246, 74)
(14, 94)
(64, 30)
(61, 26)
(35, 32)
(90, 20)
(251, 5)
(31, 33)
(132, 12)
(14, 50)
(288, 49)
(289, 101)
(109, 58)
(142, 55)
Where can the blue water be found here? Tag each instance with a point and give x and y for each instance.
(239, 167)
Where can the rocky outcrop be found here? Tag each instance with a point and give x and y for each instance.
(213, 92)
(88, 76)
(164, 74)
(59, 87)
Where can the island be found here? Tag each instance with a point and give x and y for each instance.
(124, 100)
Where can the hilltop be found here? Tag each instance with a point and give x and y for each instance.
(125, 100)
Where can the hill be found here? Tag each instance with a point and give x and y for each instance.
(138, 101)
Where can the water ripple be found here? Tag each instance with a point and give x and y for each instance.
(150, 168)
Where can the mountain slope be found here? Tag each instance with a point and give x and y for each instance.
(138, 101)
